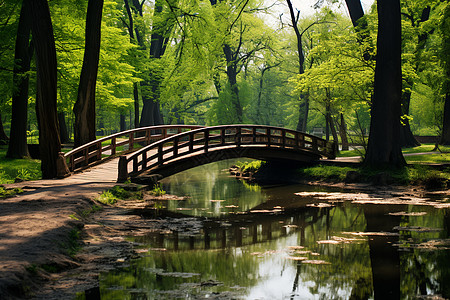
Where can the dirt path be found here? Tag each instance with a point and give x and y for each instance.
(35, 226)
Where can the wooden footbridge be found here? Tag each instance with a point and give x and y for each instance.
(170, 149)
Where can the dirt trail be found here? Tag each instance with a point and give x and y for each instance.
(35, 226)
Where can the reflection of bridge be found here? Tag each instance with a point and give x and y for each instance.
(167, 150)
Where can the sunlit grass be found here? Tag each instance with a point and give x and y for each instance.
(26, 169)
(440, 158)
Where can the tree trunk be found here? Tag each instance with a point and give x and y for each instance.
(384, 138)
(356, 13)
(445, 26)
(63, 133)
(151, 112)
(304, 98)
(445, 138)
(3, 136)
(84, 108)
(232, 80)
(303, 111)
(131, 30)
(46, 97)
(343, 133)
(17, 147)
(407, 139)
(123, 123)
(360, 24)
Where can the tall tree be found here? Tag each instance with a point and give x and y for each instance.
(151, 111)
(384, 138)
(19, 119)
(407, 138)
(49, 141)
(304, 97)
(445, 33)
(131, 31)
(84, 108)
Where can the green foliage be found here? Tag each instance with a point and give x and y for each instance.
(250, 166)
(25, 169)
(118, 192)
(327, 173)
(107, 198)
(158, 190)
(5, 193)
(72, 245)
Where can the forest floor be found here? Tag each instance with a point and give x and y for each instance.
(41, 229)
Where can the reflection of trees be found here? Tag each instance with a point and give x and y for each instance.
(208, 182)
(384, 257)
(167, 270)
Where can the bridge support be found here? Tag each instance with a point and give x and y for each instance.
(123, 169)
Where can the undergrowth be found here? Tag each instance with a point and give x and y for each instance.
(250, 166)
(158, 190)
(5, 193)
(25, 169)
(411, 175)
(111, 196)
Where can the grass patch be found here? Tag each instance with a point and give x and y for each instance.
(417, 175)
(5, 193)
(438, 158)
(85, 213)
(350, 153)
(118, 192)
(72, 245)
(250, 166)
(327, 173)
(158, 190)
(25, 169)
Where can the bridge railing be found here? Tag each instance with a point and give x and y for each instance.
(120, 143)
(208, 138)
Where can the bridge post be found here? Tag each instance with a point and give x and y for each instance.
(131, 141)
(222, 136)
(238, 136)
(113, 146)
(268, 137)
(99, 151)
(191, 142)
(175, 147)
(160, 155)
(123, 169)
(206, 136)
(254, 135)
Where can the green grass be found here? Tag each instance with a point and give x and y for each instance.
(439, 158)
(327, 173)
(111, 196)
(5, 193)
(350, 153)
(158, 190)
(26, 169)
(417, 174)
(250, 166)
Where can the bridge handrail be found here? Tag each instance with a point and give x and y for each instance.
(217, 136)
(93, 152)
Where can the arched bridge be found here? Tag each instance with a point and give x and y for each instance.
(170, 149)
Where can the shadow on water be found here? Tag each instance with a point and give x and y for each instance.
(268, 243)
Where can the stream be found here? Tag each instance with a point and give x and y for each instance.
(243, 241)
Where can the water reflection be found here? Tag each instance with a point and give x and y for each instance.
(340, 251)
